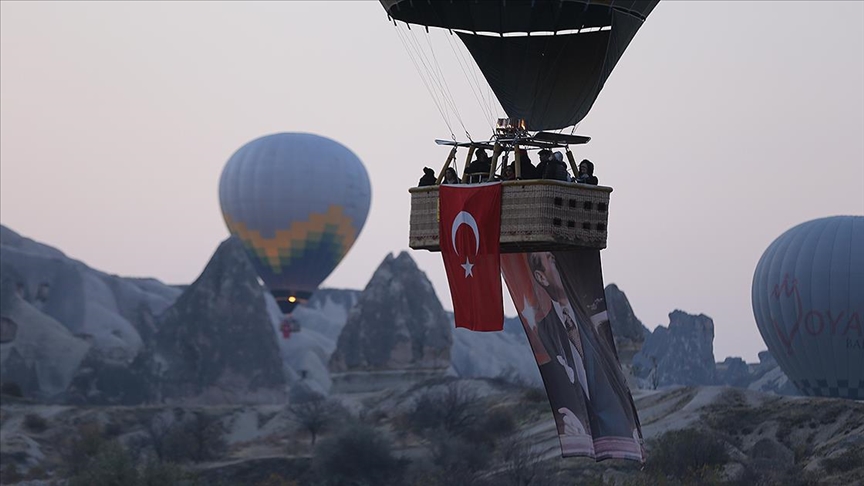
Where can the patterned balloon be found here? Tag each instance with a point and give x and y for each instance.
(808, 300)
(298, 202)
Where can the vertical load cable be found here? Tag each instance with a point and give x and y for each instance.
(442, 82)
(476, 86)
(442, 110)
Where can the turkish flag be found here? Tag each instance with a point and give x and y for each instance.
(469, 227)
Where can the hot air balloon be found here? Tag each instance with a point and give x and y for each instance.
(808, 301)
(297, 201)
(546, 60)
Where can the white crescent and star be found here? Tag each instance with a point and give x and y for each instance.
(464, 217)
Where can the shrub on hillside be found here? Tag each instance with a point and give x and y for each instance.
(111, 465)
(316, 414)
(453, 409)
(197, 438)
(114, 465)
(521, 464)
(11, 389)
(491, 426)
(359, 455)
(9, 474)
(35, 423)
(686, 454)
(79, 448)
(458, 456)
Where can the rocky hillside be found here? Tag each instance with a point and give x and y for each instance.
(114, 313)
(694, 435)
(72, 334)
(58, 314)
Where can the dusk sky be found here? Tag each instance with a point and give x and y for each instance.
(723, 125)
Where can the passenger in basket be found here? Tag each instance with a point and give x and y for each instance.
(586, 173)
(509, 173)
(450, 176)
(526, 168)
(544, 155)
(428, 178)
(556, 168)
(478, 169)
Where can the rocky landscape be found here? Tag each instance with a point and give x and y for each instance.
(196, 384)
(709, 435)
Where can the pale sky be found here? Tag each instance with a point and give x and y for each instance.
(723, 125)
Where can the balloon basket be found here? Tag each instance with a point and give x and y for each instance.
(536, 215)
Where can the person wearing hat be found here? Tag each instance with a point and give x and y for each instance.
(428, 178)
(479, 168)
(556, 169)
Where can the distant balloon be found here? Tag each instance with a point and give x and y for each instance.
(298, 202)
(808, 300)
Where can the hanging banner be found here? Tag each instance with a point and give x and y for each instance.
(561, 302)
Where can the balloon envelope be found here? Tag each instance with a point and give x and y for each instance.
(546, 60)
(808, 299)
(298, 202)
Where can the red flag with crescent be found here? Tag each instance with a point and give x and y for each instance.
(469, 228)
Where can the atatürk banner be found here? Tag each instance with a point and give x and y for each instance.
(562, 305)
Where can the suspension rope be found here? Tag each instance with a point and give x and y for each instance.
(434, 82)
(428, 67)
(434, 77)
(432, 94)
(476, 87)
(430, 71)
(442, 83)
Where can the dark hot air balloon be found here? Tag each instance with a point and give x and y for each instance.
(808, 301)
(546, 60)
(298, 202)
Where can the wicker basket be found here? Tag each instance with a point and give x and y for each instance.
(535, 215)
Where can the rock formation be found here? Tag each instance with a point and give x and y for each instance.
(628, 330)
(768, 377)
(43, 355)
(733, 372)
(217, 342)
(682, 354)
(398, 324)
(112, 313)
